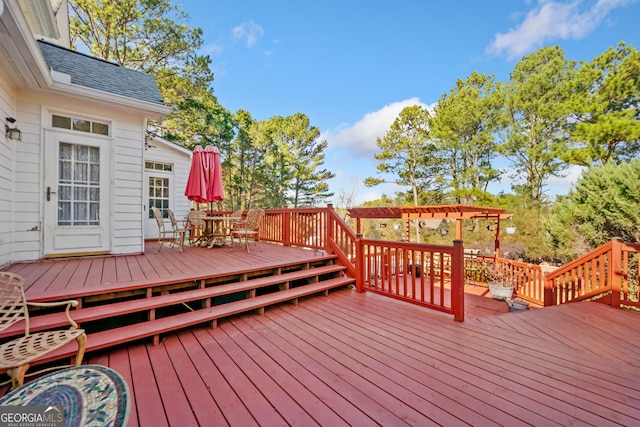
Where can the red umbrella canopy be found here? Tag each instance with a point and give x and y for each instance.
(205, 177)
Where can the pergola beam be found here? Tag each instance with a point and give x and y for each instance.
(450, 212)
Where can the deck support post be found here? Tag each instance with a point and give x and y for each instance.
(615, 271)
(457, 281)
(359, 263)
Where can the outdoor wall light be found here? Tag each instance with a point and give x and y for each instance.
(12, 133)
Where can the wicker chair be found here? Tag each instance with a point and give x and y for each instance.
(250, 227)
(19, 352)
(166, 230)
(179, 230)
(196, 225)
(235, 219)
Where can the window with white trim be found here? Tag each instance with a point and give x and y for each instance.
(80, 125)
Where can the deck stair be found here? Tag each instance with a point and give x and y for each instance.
(148, 312)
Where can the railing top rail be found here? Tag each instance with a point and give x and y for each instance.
(520, 264)
(295, 210)
(408, 245)
(343, 223)
(631, 246)
(579, 261)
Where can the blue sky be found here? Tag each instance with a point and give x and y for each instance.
(351, 66)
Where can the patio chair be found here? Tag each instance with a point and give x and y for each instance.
(166, 232)
(236, 217)
(17, 354)
(250, 227)
(179, 228)
(195, 225)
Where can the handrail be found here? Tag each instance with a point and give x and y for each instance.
(295, 227)
(608, 273)
(583, 278)
(342, 241)
(628, 293)
(426, 275)
(323, 228)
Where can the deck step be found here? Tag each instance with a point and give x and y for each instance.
(83, 315)
(129, 333)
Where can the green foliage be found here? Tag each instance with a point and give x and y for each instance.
(276, 163)
(606, 108)
(306, 154)
(603, 205)
(536, 110)
(152, 36)
(463, 124)
(406, 153)
(145, 35)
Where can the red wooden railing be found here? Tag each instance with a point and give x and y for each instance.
(427, 275)
(433, 275)
(342, 241)
(296, 227)
(608, 273)
(440, 287)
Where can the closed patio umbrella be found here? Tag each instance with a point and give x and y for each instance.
(205, 176)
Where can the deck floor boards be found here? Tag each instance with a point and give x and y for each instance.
(359, 358)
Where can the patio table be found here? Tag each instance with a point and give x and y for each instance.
(217, 226)
(87, 395)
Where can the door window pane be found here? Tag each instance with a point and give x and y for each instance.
(78, 196)
(159, 195)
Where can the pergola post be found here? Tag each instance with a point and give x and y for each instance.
(497, 237)
(459, 229)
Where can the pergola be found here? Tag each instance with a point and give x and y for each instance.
(446, 212)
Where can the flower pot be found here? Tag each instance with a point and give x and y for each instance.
(500, 291)
(511, 230)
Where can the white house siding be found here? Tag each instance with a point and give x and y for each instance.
(7, 156)
(167, 152)
(27, 224)
(128, 186)
(126, 172)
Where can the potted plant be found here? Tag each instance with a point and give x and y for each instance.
(502, 281)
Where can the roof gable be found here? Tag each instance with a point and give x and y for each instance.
(95, 73)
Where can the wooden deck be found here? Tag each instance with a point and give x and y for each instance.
(360, 358)
(51, 278)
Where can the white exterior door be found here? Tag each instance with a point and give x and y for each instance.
(77, 213)
(159, 184)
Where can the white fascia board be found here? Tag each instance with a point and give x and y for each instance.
(149, 109)
(22, 47)
(171, 145)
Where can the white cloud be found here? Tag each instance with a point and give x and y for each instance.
(550, 20)
(249, 32)
(360, 139)
(351, 150)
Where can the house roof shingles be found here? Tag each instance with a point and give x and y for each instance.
(102, 75)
